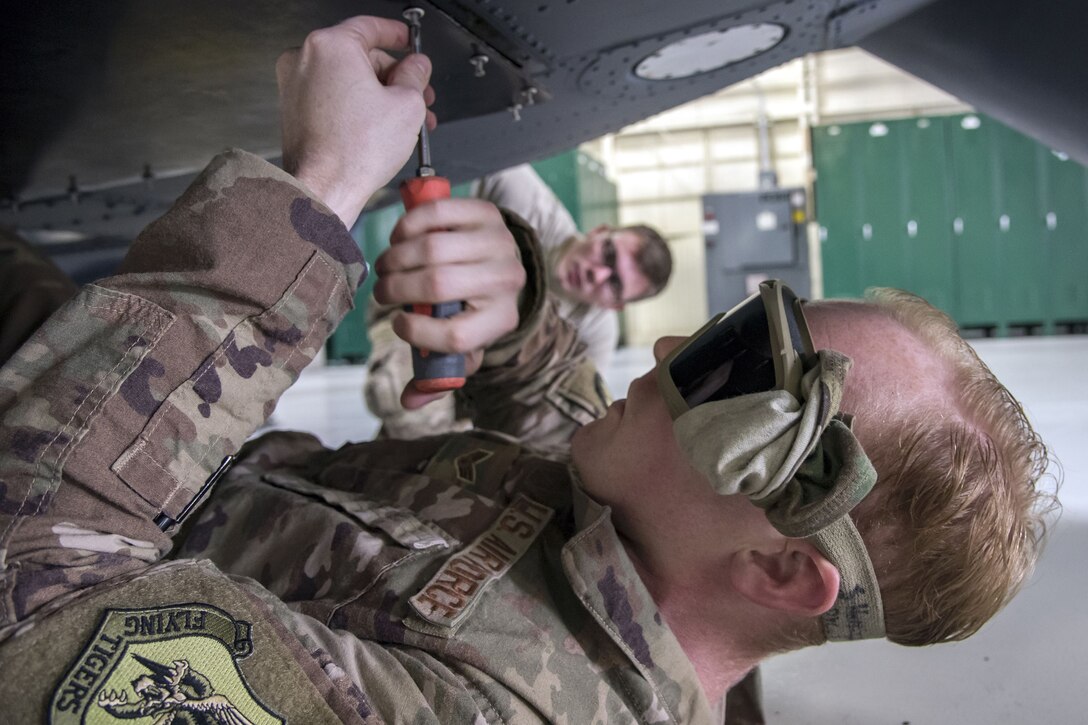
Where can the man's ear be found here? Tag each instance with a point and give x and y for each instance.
(796, 578)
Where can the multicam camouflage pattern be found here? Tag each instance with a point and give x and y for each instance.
(117, 409)
(122, 404)
(135, 391)
(522, 193)
(568, 634)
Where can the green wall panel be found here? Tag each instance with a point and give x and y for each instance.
(924, 222)
(839, 209)
(979, 219)
(974, 167)
(1064, 208)
(1020, 235)
(580, 183)
(884, 260)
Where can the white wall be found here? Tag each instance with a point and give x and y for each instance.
(663, 165)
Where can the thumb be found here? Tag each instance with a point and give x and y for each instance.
(412, 71)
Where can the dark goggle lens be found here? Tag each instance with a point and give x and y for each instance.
(732, 358)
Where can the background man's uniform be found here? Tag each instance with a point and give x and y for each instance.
(451, 579)
(520, 190)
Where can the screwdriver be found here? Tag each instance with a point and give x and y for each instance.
(434, 372)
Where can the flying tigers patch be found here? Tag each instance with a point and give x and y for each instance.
(167, 664)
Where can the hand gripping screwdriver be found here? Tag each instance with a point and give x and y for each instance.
(434, 372)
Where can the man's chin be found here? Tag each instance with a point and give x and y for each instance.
(576, 441)
(582, 447)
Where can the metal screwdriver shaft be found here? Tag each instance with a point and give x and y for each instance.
(412, 16)
(433, 372)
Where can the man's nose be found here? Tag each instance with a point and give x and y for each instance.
(665, 345)
(599, 274)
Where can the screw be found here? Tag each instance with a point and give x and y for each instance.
(515, 111)
(412, 15)
(529, 94)
(478, 62)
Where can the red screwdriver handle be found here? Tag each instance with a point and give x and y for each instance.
(433, 372)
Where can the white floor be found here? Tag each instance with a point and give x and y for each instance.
(1026, 667)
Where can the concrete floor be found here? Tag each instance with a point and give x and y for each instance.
(1025, 667)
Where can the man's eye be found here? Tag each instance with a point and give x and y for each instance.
(609, 253)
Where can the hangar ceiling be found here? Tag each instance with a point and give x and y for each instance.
(107, 109)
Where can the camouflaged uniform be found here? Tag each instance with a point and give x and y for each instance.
(451, 579)
(389, 366)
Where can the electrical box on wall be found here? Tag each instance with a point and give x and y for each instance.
(751, 237)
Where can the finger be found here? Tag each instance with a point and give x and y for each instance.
(446, 214)
(432, 121)
(377, 32)
(473, 360)
(451, 282)
(411, 398)
(428, 95)
(440, 248)
(381, 62)
(471, 330)
(412, 71)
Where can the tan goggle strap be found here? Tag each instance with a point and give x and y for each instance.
(805, 468)
(858, 612)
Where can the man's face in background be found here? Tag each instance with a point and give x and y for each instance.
(603, 270)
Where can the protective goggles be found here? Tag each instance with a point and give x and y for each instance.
(757, 346)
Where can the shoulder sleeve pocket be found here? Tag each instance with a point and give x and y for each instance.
(233, 391)
(57, 384)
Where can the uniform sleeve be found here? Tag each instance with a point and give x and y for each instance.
(536, 383)
(521, 190)
(123, 404)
